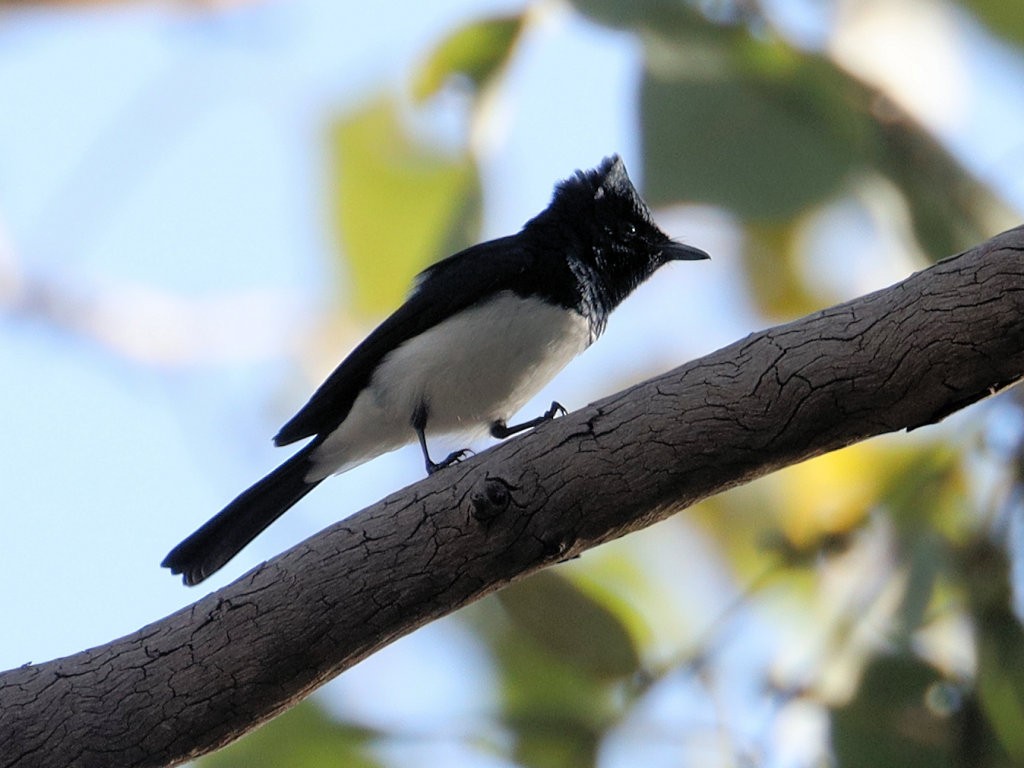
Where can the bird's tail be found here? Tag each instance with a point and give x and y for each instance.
(241, 521)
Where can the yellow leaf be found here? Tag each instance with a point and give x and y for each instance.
(398, 204)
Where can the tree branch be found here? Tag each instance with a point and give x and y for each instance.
(898, 358)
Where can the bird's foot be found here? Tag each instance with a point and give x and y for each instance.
(452, 458)
(501, 430)
(556, 409)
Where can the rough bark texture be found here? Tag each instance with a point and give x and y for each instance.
(899, 358)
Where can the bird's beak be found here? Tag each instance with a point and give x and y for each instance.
(673, 251)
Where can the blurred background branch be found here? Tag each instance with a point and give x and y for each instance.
(146, 326)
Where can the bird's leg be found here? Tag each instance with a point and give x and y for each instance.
(419, 423)
(500, 430)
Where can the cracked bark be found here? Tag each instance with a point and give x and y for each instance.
(896, 359)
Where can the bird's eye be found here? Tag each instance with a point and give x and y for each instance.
(629, 230)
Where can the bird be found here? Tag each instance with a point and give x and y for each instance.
(479, 335)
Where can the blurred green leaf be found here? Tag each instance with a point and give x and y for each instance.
(1003, 17)
(477, 51)
(651, 14)
(726, 143)
(555, 712)
(978, 746)
(771, 270)
(546, 743)
(616, 577)
(303, 737)
(1001, 677)
(398, 204)
(766, 132)
(925, 562)
(1000, 643)
(896, 718)
(571, 625)
(925, 488)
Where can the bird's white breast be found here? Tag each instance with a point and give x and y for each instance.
(477, 367)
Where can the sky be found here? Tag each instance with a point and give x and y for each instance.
(162, 175)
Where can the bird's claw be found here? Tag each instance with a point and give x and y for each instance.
(556, 409)
(452, 458)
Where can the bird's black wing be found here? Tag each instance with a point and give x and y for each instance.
(440, 291)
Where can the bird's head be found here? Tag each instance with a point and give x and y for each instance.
(613, 226)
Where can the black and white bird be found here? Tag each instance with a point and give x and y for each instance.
(480, 334)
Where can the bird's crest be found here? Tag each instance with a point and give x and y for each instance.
(604, 188)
